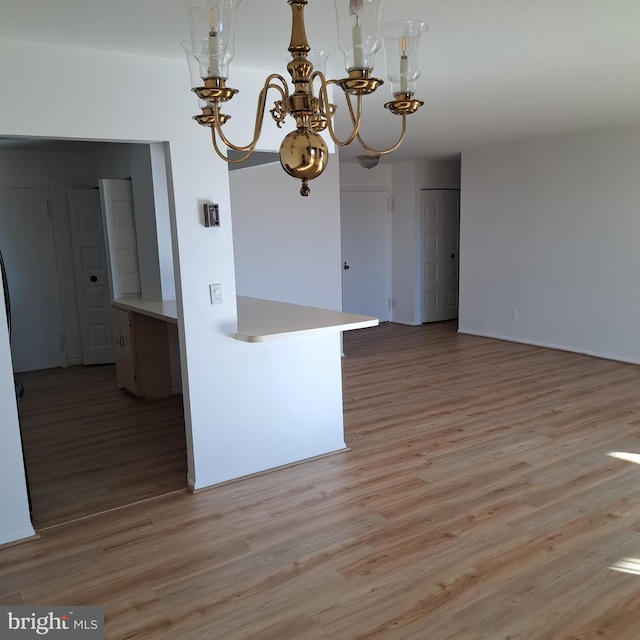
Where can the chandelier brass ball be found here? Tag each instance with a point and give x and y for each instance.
(304, 154)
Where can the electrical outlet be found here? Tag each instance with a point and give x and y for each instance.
(514, 314)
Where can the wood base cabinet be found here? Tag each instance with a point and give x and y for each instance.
(142, 354)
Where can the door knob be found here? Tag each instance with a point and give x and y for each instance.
(93, 279)
(346, 266)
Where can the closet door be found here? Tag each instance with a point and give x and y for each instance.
(92, 277)
(119, 221)
(440, 250)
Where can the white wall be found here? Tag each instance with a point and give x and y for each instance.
(405, 243)
(14, 507)
(238, 397)
(551, 228)
(287, 247)
(353, 176)
(57, 172)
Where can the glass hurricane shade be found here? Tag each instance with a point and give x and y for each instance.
(402, 54)
(319, 61)
(359, 31)
(194, 70)
(212, 36)
(360, 34)
(317, 58)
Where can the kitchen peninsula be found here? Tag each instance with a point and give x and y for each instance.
(142, 342)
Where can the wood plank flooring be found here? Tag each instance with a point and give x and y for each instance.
(90, 446)
(478, 502)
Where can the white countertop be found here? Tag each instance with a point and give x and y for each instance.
(261, 320)
(161, 309)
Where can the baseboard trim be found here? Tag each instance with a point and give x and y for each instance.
(14, 543)
(136, 503)
(548, 345)
(192, 488)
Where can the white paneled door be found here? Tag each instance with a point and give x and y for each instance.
(27, 245)
(441, 242)
(92, 278)
(365, 222)
(118, 218)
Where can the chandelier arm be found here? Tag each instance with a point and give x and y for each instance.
(323, 105)
(283, 94)
(355, 121)
(262, 101)
(382, 152)
(222, 155)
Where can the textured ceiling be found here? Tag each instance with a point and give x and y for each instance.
(493, 70)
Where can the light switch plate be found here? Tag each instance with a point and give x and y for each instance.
(215, 293)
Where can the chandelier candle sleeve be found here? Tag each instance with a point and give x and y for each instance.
(305, 97)
(355, 11)
(404, 66)
(215, 67)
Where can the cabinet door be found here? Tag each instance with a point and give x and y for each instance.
(151, 342)
(124, 340)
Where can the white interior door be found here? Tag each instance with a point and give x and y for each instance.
(27, 245)
(441, 241)
(116, 198)
(92, 278)
(365, 222)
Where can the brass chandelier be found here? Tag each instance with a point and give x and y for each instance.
(303, 152)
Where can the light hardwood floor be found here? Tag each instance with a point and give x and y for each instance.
(90, 446)
(478, 502)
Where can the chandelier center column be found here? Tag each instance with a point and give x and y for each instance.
(299, 43)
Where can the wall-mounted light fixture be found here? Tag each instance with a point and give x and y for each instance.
(303, 152)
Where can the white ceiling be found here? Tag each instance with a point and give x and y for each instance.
(493, 70)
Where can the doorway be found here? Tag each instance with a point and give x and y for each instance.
(66, 393)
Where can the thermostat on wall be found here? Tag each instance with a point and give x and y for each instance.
(211, 215)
